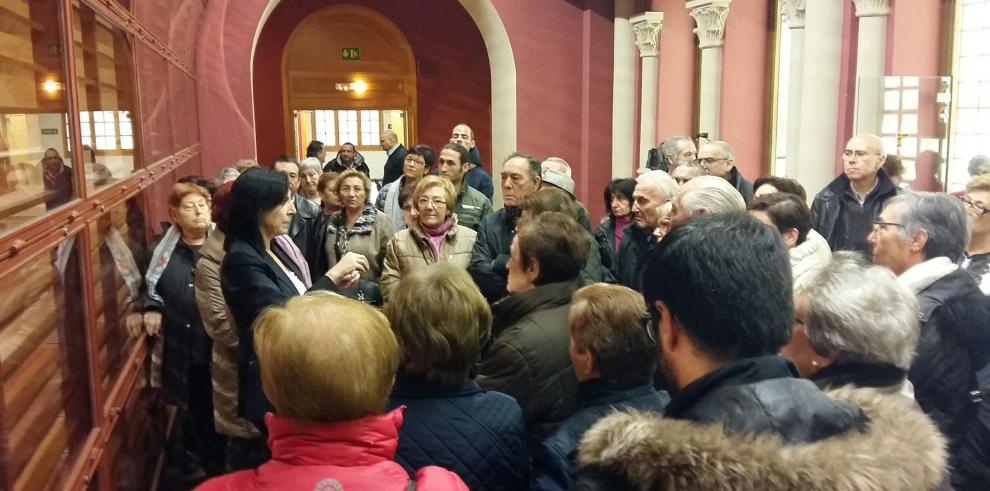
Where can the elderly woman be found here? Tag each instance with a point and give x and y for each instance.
(170, 312)
(613, 357)
(327, 363)
(263, 268)
(417, 164)
(551, 199)
(441, 320)
(618, 207)
(435, 237)
(358, 228)
(854, 325)
(310, 170)
(977, 201)
(790, 216)
(528, 358)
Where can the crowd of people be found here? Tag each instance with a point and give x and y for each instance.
(318, 331)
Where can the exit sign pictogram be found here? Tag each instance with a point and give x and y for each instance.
(350, 53)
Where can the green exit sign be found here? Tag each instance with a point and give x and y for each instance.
(350, 53)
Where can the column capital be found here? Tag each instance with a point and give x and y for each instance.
(647, 27)
(793, 11)
(709, 15)
(872, 8)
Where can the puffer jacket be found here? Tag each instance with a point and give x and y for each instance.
(628, 268)
(471, 207)
(350, 455)
(627, 451)
(218, 326)
(844, 223)
(529, 357)
(954, 345)
(479, 435)
(553, 461)
(409, 250)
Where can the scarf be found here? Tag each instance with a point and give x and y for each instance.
(364, 225)
(436, 235)
(922, 275)
(292, 250)
(159, 259)
(619, 229)
(123, 260)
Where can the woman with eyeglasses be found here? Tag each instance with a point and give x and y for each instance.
(977, 205)
(415, 167)
(433, 237)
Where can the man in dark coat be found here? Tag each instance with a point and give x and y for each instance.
(653, 189)
(476, 176)
(718, 158)
(347, 158)
(921, 238)
(303, 227)
(396, 155)
(720, 315)
(844, 211)
(528, 358)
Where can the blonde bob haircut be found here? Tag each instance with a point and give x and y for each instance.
(351, 173)
(441, 320)
(978, 183)
(611, 322)
(428, 182)
(325, 358)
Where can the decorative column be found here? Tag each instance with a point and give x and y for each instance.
(820, 94)
(646, 27)
(623, 90)
(710, 15)
(870, 62)
(794, 13)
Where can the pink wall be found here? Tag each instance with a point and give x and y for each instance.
(453, 79)
(746, 57)
(564, 86)
(678, 47)
(847, 83)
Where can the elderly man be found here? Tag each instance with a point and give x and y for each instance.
(348, 158)
(673, 152)
(556, 172)
(302, 227)
(978, 165)
(471, 205)
(476, 176)
(520, 176)
(844, 210)
(719, 159)
(740, 418)
(977, 201)
(686, 172)
(396, 156)
(703, 195)
(920, 237)
(653, 190)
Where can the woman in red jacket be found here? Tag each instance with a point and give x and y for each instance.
(327, 364)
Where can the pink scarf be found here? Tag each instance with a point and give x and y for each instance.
(435, 235)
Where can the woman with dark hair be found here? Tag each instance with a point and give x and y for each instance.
(417, 165)
(262, 269)
(618, 206)
(773, 184)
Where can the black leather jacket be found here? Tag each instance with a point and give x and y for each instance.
(628, 266)
(845, 223)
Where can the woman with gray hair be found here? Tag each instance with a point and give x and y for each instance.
(854, 325)
(310, 170)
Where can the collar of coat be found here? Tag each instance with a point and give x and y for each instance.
(898, 449)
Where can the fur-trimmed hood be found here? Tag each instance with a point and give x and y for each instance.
(898, 449)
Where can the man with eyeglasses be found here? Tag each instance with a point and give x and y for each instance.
(977, 204)
(921, 238)
(844, 210)
(718, 158)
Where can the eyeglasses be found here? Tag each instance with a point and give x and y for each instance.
(978, 207)
(437, 203)
(646, 321)
(709, 160)
(415, 159)
(879, 226)
(859, 154)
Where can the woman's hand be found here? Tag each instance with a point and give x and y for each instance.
(347, 271)
(152, 323)
(134, 322)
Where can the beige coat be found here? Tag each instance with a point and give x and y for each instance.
(409, 250)
(370, 245)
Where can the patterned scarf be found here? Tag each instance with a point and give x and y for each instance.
(160, 258)
(364, 225)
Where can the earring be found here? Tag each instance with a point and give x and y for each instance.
(815, 364)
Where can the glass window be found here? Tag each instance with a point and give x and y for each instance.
(972, 110)
(348, 121)
(370, 128)
(326, 127)
(105, 88)
(46, 412)
(35, 158)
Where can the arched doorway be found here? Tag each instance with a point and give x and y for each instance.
(348, 75)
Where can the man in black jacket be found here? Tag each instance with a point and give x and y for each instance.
(718, 158)
(520, 176)
(740, 418)
(476, 176)
(396, 156)
(653, 189)
(844, 210)
(921, 238)
(302, 228)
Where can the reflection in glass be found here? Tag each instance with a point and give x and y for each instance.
(35, 164)
(46, 411)
(104, 83)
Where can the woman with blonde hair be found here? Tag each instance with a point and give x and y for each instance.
(436, 237)
(441, 321)
(327, 364)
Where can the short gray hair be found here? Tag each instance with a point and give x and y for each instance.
(862, 312)
(979, 165)
(658, 179)
(557, 165)
(225, 174)
(941, 216)
(711, 194)
(725, 148)
(310, 164)
(669, 146)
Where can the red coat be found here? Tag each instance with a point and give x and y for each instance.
(350, 456)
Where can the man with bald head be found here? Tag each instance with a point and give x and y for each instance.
(718, 158)
(476, 176)
(844, 211)
(396, 155)
(653, 191)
